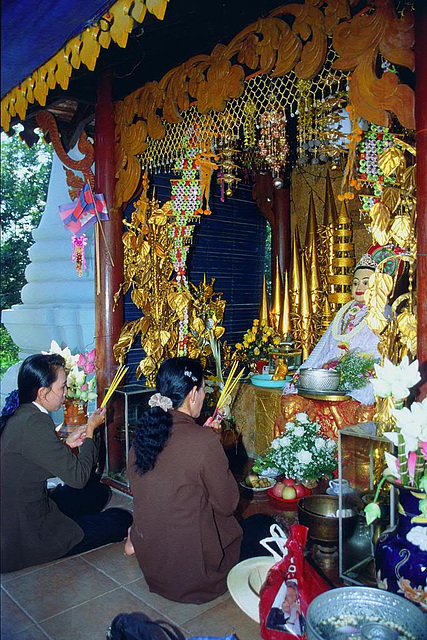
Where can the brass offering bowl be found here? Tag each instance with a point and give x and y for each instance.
(318, 513)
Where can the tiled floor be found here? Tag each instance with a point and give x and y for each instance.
(77, 598)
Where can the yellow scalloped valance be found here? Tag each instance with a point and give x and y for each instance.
(114, 26)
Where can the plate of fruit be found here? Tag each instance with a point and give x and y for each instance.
(288, 491)
(257, 483)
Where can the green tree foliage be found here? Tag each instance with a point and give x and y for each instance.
(9, 352)
(23, 189)
(24, 181)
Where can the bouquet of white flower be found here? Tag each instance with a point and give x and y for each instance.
(301, 453)
(409, 467)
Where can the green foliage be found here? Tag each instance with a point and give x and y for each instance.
(8, 351)
(24, 181)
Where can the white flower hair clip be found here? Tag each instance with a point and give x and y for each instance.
(158, 400)
(190, 375)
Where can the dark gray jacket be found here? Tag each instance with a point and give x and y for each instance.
(33, 529)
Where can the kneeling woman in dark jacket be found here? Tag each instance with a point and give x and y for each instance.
(185, 535)
(37, 525)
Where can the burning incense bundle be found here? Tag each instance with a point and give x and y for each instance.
(230, 385)
(120, 373)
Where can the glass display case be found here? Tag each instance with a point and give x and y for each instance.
(123, 413)
(361, 463)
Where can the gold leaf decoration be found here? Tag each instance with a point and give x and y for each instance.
(407, 324)
(401, 230)
(409, 179)
(376, 321)
(391, 198)
(390, 159)
(380, 217)
(379, 289)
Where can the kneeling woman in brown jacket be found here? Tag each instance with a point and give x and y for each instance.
(184, 533)
(38, 525)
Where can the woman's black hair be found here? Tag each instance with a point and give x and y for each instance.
(175, 379)
(37, 371)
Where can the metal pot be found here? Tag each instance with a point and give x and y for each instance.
(319, 379)
(363, 605)
(318, 513)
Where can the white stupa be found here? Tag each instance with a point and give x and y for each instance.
(56, 303)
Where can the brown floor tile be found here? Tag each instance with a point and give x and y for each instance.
(32, 633)
(13, 619)
(54, 589)
(113, 561)
(7, 577)
(89, 621)
(175, 611)
(223, 619)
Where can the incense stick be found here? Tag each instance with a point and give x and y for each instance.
(230, 390)
(228, 381)
(229, 387)
(120, 373)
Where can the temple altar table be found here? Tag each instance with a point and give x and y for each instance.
(256, 410)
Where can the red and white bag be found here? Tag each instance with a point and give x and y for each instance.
(290, 586)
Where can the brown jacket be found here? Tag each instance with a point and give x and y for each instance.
(33, 529)
(185, 536)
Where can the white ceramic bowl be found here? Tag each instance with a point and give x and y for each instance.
(319, 379)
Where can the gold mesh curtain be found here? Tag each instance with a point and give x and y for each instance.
(240, 115)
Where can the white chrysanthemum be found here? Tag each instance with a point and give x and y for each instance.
(276, 444)
(299, 431)
(319, 443)
(418, 537)
(289, 425)
(285, 441)
(302, 417)
(304, 457)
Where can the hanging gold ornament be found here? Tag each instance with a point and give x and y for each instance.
(273, 146)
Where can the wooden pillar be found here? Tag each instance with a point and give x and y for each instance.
(421, 176)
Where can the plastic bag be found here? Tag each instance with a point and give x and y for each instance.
(291, 584)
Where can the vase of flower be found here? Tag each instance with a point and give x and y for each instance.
(81, 386)
(75, 415)
(401, 552)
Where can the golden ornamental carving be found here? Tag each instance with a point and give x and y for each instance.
(114, 26)
(271, 46)
(358, 43)
(48, 125)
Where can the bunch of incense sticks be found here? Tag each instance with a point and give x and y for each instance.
(229, 387)
(120, 373)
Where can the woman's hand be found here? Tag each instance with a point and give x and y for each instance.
(96, 420)
(213, 423)
(76, 438)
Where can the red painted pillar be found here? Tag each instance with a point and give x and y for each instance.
(421, 143)
(108, 323)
